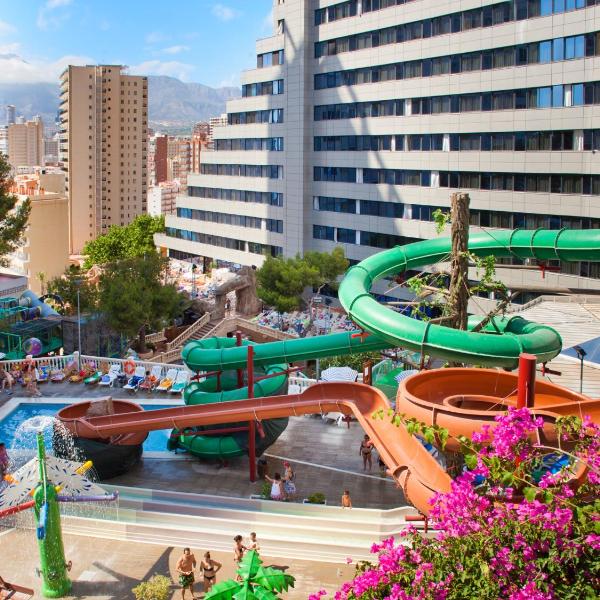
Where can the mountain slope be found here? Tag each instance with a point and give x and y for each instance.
(171, 102)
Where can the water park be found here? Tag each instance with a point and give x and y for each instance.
(177, 454)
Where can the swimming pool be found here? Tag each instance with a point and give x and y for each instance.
(155, 442)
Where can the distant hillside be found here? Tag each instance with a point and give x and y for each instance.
(173, 104)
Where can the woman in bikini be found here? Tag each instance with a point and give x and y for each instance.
(238, 554)
(366, 448)
(209, 568)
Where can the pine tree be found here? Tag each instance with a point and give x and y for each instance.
(13, 215)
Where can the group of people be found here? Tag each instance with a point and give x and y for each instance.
(283, 488)
(209, 567)
(26, 375)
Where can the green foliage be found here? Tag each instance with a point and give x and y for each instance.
(281, 281)
(257, 582)
(158, 587)
(432, 434)
(330, 266)
(355, 360)
(129, 241)
(441, 220)
(133, 296)
(316, 498)
(66, 287)
(14, 215)
(265, 489)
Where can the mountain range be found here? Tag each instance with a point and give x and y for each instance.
(173, 105)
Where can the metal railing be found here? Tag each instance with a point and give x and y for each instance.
(183, 337)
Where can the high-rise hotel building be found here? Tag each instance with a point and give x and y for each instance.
(103, 147)
(363, 116)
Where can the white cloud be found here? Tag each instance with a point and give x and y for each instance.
(232, 81)
(11, 48)
(49, 18)
(15, 69)
(154, 37)
(175, 49)
(170, 68)
(6, 28)
(225, 13)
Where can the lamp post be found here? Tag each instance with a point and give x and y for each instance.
(78, 283)
(194, 267)
(581, 353)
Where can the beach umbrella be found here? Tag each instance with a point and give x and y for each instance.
(402, 376)
(339, 374)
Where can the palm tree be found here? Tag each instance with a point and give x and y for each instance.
(256, 582)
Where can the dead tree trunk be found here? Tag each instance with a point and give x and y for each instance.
(459, 265)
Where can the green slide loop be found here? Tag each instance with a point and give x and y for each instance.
(487, 348)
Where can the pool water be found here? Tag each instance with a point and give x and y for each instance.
(155, 442)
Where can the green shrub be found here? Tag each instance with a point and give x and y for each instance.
(317, 498)
(158, 587)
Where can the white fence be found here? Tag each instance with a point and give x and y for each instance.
(60, 362)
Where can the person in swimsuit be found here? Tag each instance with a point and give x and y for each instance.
(366, 449)
(277, 492)
(29, 377)
(185, 567)
(254, 545)
(238, 553)
(289, 487)
(209, 568)
(346, 500)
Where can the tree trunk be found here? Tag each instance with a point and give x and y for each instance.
(459, 265)
(142, 340)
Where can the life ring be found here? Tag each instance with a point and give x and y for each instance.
(129, 367)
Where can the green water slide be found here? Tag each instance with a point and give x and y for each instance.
(498, 344)
(502, 341)
(222, 354)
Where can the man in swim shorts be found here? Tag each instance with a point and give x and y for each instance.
(185, 567)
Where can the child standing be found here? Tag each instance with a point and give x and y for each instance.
(346, 500)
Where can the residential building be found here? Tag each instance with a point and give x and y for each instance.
(198, 144)
(215, 123)
(11, 114)
(178, 158)
(26, 143)
(4, 141)
(162, 197)
(202, 129)
(51, 149)
(41, 254)
(104, 121)
(160, 159)
(363, 116)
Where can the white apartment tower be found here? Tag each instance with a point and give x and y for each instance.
(104, 129)
(363, 116)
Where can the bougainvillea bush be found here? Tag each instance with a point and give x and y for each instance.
(520, 523)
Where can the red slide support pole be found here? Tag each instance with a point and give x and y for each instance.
(526, 382)
(16, 509)
(240, 372)
(251, 423)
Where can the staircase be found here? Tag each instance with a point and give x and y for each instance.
(286, 530)
(205, 331)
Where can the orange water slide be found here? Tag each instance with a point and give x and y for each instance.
(464, 400)
(414, 469)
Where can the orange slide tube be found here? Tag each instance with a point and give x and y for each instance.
(413, 468)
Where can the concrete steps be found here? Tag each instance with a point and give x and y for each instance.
(287, 530)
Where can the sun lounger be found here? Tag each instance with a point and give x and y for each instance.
(167, 381)
(110, 377)
(93, 378)
(181, 381)
(134, 382)
(43, 374)
(155, 373)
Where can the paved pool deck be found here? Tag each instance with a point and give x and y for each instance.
(325, 457)
(108, 569)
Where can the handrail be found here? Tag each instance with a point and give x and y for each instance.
(184, 336)
(159, 336)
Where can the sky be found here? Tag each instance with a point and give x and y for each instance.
(203, 41)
